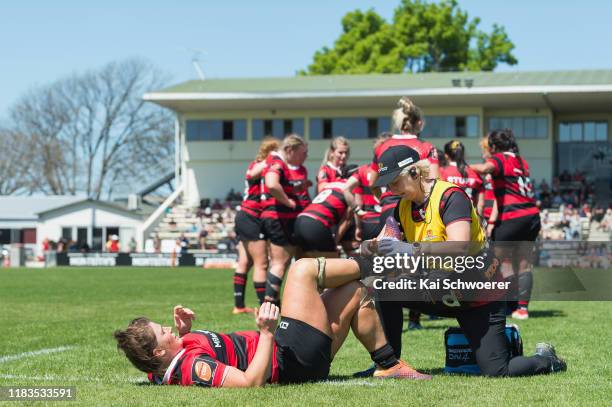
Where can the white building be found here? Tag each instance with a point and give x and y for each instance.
(561, 119)
(29, 220)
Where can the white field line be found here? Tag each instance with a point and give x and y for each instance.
(10, 358)
(69, 379)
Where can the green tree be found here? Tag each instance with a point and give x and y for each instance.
(423, 37)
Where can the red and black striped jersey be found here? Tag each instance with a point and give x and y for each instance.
(328, 173)
(489, 196)
(471, 183)
(293, 180)
(363, 177)
(512, 186)
(329, 206)
(426, 151)
(251, 203)
(206, 355)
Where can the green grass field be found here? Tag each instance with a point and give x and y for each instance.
(79, 308)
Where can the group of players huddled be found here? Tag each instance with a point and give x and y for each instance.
(407, 201)
(279, 221)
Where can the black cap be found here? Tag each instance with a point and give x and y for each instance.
(392, 161)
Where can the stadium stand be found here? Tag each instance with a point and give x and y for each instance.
(203, 230)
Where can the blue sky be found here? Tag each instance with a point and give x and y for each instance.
(41, 41)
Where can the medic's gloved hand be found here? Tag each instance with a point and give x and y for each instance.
(390, 247)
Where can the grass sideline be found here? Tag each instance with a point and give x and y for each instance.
(81, 307)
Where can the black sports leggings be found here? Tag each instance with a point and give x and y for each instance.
(484, 328)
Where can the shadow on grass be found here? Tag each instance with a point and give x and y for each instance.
(551, 313)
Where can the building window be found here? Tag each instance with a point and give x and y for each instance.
(349, 127)
(451, 126)
(67, 233)
(278, 128)
(372, 128)
(522, 126)
(81, 236)
(587, 131)
(215, 130)
(228, 130)
(5, 236)
(97, 241)
(327, 128)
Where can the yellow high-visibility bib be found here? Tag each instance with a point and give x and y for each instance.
(432, 229)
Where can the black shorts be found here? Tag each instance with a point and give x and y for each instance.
(349, 235)
(312, 235)
(279, 231)
(525, 228)
(303, 352)
(248, 227)
(370, 228)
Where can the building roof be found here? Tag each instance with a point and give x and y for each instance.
(589, 90)
(28, 207)
(438, 80)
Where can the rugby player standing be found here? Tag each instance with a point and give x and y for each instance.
(336, 156)
(252, 249)
(284, 196)
(324, 222)
(519, 217)
(459, 173)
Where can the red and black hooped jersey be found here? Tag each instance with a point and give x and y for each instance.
(251, 203)
(370, 203)
(206, 355)
(328, 173)
(426, 151)
(471, 183)
(329, 206)
(293, 180)
(489, 196)
(512, 186)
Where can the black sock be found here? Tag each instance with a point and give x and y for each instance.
(260, 290)
(384, 357)
(239, 283)
(273, 284)
(525, 285)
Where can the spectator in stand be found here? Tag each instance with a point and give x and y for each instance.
(132, 245)
(202, 237)
(184, 243)
(84, 248)
(217, 205)
(606, 222)
(157, 243)
(112, 244)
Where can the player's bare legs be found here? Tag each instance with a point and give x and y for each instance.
(344, 306)
(243, 265)
(258, 251)
(279, 260)
(338, 308)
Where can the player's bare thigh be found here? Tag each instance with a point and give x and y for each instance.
(301, 298)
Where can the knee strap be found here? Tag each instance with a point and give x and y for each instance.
(272, 279)
(320, 272)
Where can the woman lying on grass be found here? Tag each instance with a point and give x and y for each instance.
(312, 329)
